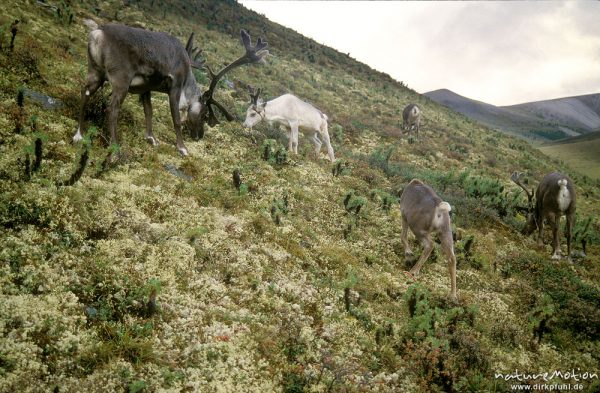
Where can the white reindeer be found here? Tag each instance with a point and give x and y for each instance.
(294, 114)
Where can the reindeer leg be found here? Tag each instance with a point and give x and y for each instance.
(326, 139)
(404, 237)
(569, 234)
(540, 239)
(317, 142)
(427, 248)
(294, 127)
(555, 237)
(146, 101)
(93, 83)
(448, 249)
(119, 92)
(174, 96)
(417, 130)
(291, 138)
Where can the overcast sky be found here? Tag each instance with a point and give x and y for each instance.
(502, 53)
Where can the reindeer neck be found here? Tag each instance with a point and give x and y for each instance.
(190, 88)
(190, 92)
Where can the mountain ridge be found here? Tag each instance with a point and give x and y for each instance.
(544, 120)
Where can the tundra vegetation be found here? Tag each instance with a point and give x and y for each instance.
(168, 273)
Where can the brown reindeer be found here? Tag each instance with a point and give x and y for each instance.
(554, 197)
(140, 61)
(411, 117)
(424, 212)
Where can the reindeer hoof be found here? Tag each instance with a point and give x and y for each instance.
(414, 273)
(454, 299)
(183, 151)
(556, 256)
(410, 276)
(151, 140)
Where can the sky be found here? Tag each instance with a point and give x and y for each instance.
(499, 52)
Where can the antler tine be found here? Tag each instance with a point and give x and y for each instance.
(254, 54)
(194, 53)
(196, 60)
(516, 178)
(190, 44)
(253, 95)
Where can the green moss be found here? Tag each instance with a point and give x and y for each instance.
(155, 272)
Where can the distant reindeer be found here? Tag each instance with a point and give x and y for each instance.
(141, 61)
(293, 113)
(424, 212)
(554, 197)
(411, 117)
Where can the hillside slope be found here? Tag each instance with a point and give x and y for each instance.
(542, 120)
(156, 273)
(581, 153)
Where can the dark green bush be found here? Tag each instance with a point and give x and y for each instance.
(273, 152)
(441, 345)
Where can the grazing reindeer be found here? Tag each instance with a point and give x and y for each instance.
(411, 116)
(141, 61)
(293, 113)
(424, 212)
(555, 196)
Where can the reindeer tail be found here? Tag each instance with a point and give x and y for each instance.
(92, 25)
(441, 211)
(443, 206)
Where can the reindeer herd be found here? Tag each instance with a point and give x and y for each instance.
(140, 61)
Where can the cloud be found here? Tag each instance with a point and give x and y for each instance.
(498, 52)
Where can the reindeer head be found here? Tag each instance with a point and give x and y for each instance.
(256, 111)
(194, 110)
(532, 221)
(202, 111)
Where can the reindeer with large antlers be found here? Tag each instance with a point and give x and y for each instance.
(293, 113)
(554, 197)
(141, 61)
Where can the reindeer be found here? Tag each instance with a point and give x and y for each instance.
(554, 197)
(293, 113)
(411, 117)
(140, 61)
(424, 212)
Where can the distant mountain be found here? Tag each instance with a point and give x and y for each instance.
(540, 121)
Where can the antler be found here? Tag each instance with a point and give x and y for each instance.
(194, 53)
(254, 94)
(516, 178)
(254, 54)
